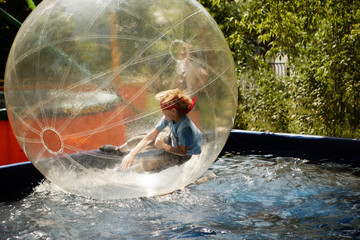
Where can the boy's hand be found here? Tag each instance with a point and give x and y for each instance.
(127, 161)
(180, 150)
(159, 143)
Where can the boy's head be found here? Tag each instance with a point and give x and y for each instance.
(175, 98)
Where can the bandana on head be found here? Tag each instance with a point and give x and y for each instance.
(165, 106)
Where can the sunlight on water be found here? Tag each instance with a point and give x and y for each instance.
(252, 197)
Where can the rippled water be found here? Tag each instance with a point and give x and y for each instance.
(252, 197)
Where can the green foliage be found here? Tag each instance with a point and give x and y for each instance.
(244, 45)
(322, 42)
(31, 4)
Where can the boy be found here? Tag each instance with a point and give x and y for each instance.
(185, 138)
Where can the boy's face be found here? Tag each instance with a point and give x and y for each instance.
(169, 114)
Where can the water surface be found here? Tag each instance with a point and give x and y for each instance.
(252, 197)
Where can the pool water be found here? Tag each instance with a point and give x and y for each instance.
(252, 197)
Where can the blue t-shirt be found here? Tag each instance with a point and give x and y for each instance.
(184, 132)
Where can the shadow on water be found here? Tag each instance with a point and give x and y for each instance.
(252, 197)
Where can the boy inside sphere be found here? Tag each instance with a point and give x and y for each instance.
(184, 141)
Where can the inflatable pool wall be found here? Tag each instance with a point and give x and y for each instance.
(316, 149)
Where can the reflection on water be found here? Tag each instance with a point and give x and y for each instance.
(253, 197)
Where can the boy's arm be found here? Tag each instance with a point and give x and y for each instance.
(129, 159)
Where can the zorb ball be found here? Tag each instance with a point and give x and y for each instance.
(84, 73)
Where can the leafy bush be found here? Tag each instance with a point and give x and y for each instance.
(322, 42)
